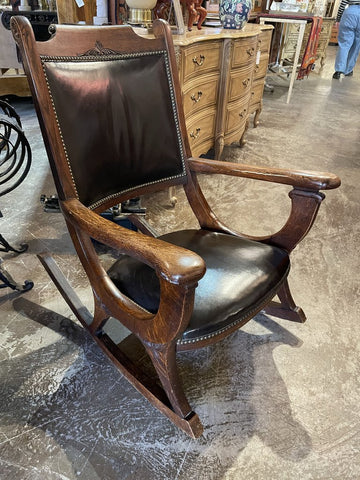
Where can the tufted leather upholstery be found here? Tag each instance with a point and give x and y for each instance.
(107, 122)
(240, 275)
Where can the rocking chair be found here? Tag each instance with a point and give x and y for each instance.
(109, 106)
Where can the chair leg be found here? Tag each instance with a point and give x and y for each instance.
(287, 308)
(100, 317)
(170, 399)
(163, 357)
(70, 297)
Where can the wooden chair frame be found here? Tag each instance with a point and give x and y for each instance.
(178, 269)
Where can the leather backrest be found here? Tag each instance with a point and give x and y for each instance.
(117, 119)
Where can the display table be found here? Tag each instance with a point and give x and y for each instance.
(295, 19)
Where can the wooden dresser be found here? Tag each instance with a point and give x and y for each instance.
(261, 66)
(222, 75)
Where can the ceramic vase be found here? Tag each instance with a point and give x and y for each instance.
(234, 13)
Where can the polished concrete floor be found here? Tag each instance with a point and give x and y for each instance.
(278, 400)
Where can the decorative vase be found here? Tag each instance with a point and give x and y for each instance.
(234, 13)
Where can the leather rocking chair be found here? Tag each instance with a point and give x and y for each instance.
(110, 111)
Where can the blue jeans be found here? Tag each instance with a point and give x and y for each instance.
(348, 39)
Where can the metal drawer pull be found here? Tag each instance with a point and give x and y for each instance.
(242, 114)
(201, 62)
(246, 82)
(250, 51)
(195, 135)
(199, 95)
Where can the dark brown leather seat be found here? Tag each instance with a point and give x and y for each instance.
(240, 276)
(109, 106)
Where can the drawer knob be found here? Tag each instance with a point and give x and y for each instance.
(250, 51)
(246, 82)
(199, 62)
(242, 114)
(196, 134)
(196, 99)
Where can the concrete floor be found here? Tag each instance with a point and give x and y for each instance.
(278, 400)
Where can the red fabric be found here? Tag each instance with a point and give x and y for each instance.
(308, 61)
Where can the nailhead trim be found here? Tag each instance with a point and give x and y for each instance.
(249, 314)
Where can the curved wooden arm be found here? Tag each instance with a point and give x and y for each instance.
(304, 208)
(307, 180)
(178, 269)
(175, 264)
(305, 196)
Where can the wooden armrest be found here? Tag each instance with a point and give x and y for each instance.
(305, 196)
(307, 180)
(175, 264)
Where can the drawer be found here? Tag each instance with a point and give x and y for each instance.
(200, 94)
(236, 115)
(244, 52)
(201, 129)
(265, 41)
(200, 58)
(261, 68)
(240, 82)
(257, 90)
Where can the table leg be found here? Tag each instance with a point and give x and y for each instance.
(296, 59)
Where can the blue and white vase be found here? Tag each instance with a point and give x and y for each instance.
(234, 13)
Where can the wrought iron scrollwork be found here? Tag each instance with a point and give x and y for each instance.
(15, 152)
(15, 162)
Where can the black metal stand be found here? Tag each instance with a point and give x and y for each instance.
(6, 247)
(51, 204)
(15, 161)
(8, 281)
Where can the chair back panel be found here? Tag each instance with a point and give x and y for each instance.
(117, 119)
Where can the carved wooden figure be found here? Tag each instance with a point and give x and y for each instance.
(197, 13)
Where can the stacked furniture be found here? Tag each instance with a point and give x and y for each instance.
(324, 39)
(290, 41)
